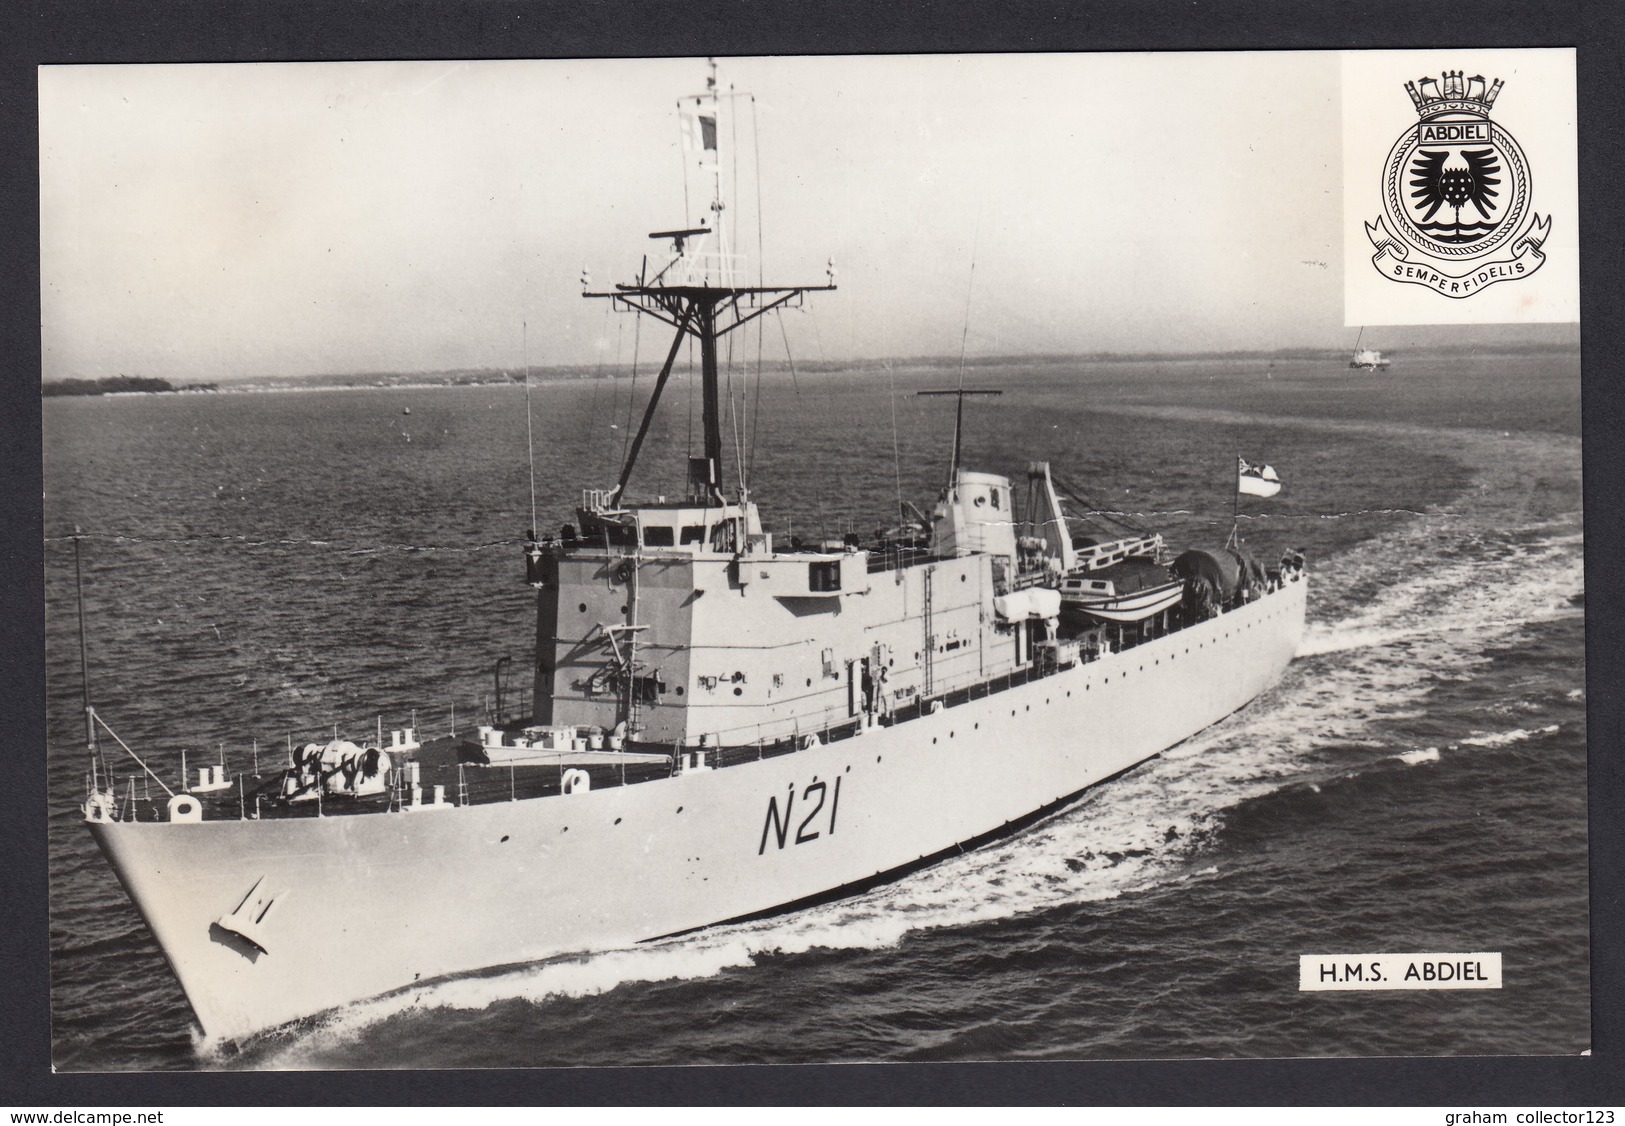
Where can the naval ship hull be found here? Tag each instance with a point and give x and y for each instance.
(362, 905)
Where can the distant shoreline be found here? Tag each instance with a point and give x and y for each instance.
(570, 374)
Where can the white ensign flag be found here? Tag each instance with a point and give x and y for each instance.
(1256, 480)
(699, 122)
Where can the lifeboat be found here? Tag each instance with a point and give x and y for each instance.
(1129, 591)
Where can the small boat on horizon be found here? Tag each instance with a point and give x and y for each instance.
(1368, 358)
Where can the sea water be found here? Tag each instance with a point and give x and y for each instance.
(266, 567)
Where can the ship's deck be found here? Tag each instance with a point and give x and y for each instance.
(450, 761)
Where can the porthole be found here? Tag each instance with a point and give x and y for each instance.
(739, 691)
(809, 682)
(583, 607)
(679, 809)
(623, 609)
(679, 690)
(617, 821)
(504, 839)
(976, 726)
(933, 741)
(950, 734)
(877, 758)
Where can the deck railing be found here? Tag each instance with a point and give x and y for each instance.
(258, 796)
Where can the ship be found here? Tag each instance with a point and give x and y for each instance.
(723, 724)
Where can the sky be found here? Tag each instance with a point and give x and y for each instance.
(219, 222)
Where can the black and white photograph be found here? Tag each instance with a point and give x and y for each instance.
(804, 560)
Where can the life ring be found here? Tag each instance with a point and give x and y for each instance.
(624, 571)
(184, 809)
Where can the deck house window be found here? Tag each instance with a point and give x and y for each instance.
(693, 533)
(619, 535)
(824, 575)
(657, 537)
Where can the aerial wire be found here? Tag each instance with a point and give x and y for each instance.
(631, 392)
(530, 441)
(682, 154)
(818, 493)
(733, 154)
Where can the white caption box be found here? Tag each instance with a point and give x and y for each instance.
(1399, 971)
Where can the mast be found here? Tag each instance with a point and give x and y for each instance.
(959, 419)
(695, 293)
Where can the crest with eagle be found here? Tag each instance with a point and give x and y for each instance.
(1436, 186)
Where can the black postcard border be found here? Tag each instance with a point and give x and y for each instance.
(81, 31)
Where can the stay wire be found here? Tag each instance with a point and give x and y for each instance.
(530, 439)
(597, 389)
(964, 337)
(896, 447)
(761, 275)
(756, 158)
(733, 417)
(756, 406)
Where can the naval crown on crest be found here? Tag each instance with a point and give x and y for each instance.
(1451, 93)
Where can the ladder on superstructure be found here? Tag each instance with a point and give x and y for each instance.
(930, 635)
(626, 666)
